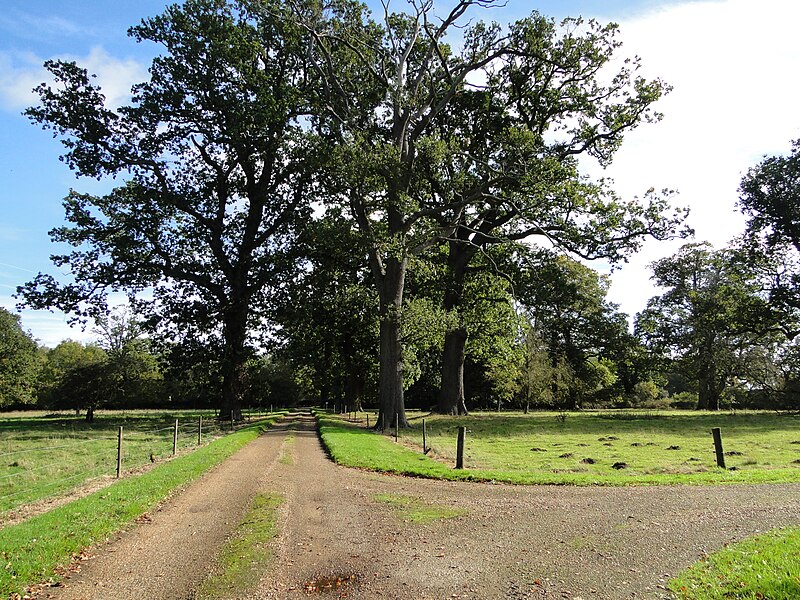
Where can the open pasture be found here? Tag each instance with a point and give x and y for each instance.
(612, 447)
(44, 455)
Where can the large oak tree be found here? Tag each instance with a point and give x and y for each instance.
(712, 312)
(437, 144)
(215, 161)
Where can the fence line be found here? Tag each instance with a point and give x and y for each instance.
(26, 471)
(78, 442)
(157, 440)
(84, 474)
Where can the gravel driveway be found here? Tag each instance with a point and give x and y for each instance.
(337, 540)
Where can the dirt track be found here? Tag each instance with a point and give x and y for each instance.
(513, 542)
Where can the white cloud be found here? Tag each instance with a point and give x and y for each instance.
(21, 72)
(48, 328)
(18, 76)
(38, 27)
(732, 65)
(52, 328)
(13, 234)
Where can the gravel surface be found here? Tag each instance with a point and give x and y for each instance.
(167, 553)
(337, 540)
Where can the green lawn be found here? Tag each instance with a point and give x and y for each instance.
(33, 549)
(762, 567)
(46, 455)
(582, 449)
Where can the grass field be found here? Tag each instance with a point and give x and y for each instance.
(608, 447)
(33, 549)
(46, 455)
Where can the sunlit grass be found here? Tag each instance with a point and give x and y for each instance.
(762, 567)
(43, 456)
(583, 448)
(415, 510)
(286, 451)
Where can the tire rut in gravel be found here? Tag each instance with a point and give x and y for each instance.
(169, 552)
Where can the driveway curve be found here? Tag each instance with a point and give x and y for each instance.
(339, 539)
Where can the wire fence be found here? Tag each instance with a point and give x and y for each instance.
(39, 463)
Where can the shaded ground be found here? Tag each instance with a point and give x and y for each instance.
(337, 540)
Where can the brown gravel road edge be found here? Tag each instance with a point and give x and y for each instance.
(337, 539)
(167, 553)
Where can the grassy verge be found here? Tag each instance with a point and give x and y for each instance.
(648, 448)
(246, 555)
(286, 451)
(762, 567)
(32, 549)
(415, 510)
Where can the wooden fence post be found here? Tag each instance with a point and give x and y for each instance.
(462, 431)
(175, 439)
(717, 433)
(199, 429)
(119, 452)
(367, 420)
(396, 426)
(424, 438)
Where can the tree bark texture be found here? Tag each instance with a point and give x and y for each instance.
(451, 395)
(391, 397)
(233, 363)
(709, 388)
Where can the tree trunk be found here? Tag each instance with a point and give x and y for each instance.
(233, 363)
(451, 394)
(392, 401)
(354, 375)
(232, 390)
(708, 391)
(354, 386)
(390, 390)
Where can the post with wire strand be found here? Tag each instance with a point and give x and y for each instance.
(119, 452)
(716, 432)
(462, 431)
(175, 439)
(199, 430)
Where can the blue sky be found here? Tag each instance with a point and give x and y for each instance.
(733, 65)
